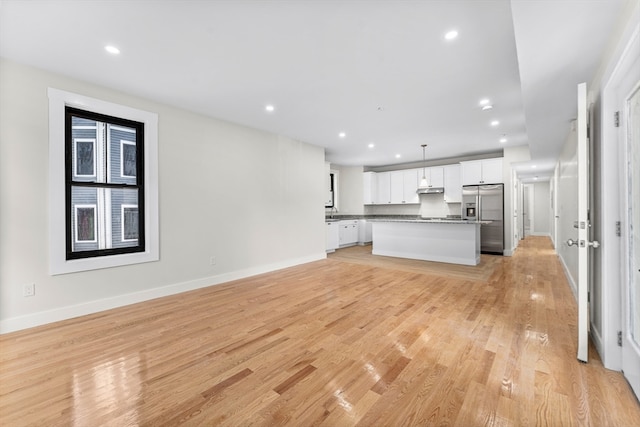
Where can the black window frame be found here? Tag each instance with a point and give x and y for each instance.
(70, 183)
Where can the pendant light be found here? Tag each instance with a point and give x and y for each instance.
(423, 182)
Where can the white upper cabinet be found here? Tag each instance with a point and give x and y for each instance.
(492, 171)
(394, 187)
(410, 186)
(370, 188)
(487, 171)
(452, 184)
(384, 187)
(434, 176)
(397, 187)
(437, 177)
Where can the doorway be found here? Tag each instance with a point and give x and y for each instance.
(527, 210)
(620, 304)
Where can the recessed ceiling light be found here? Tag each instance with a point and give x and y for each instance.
(487, 107)
(495, 123)
(398, 156)
(503, 139)
(270, 108)
(342, 134)
(451, 35)
(484, 101)
(371, 145)
(112, 49)
(534, 166)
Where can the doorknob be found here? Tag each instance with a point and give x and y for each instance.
(594, 244)
(572, 242)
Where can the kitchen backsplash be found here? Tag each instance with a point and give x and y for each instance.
(431, 205)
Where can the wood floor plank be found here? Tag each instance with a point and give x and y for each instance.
(355, 339)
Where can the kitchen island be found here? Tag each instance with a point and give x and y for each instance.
(452, 241)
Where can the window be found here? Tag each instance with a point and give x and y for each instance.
(103, 184)
(130, 223)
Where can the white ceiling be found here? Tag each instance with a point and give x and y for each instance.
(380, 71)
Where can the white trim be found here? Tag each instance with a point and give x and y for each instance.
(58, 264)
(596, 338)
(611, 209)
(540, 233)
(95, 223)
(567, 273)
(123, 129)
(49, 316)
(122, 208)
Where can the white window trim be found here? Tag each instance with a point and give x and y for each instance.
(75, 156)
(124, 142)
(122, 208)
(95, 223)
(58, 100)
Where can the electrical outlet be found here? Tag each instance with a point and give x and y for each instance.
(29, 290)
(212, 260)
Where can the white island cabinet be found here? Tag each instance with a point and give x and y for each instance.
(456, 242)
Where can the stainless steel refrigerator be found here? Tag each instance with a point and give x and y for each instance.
(486, 203)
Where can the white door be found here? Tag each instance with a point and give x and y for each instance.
(527, 211)
(631, 251)
(584, 244)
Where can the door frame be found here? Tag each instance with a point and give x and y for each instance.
(612, 203)
(530, 202)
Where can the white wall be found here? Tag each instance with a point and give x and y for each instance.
(541, 209)
(567, 210)
(350, 190)
(251, 199)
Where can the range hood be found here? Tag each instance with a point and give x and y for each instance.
(430, 190)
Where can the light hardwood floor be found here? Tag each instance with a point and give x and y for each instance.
(368, 342)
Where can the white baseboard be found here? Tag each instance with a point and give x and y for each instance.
(541, 234)
(572, 283)
(597, 339)
(63, 313)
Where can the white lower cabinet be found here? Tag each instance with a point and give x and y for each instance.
(348, 233)
(332, 236)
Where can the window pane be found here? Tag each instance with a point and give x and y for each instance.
(122, 155)
(104, 218)
(124, 218)
(84, 219)
(85, 149)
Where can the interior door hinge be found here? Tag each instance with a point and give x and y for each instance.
(616, 119)
(619, 338)
(618, 229)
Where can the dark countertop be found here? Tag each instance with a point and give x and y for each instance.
(404, 218)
